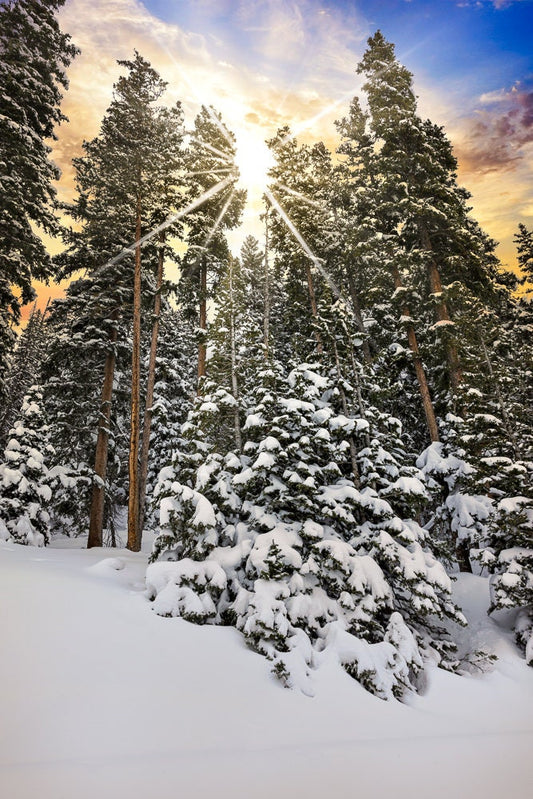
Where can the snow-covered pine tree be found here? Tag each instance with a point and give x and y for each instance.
(84, 328)
(116, 204)
(280, 543)
(449, 266)
(419, 199)
(25, 481)
(35, 54)
(509, 557)
(210, 160)
(524, 246)
(507, 546)
(301, 234)
(24, 369)
(174, 392)
(378, 276)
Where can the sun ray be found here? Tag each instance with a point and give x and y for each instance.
(211, 171)
(299, 195)
(211, 192)
(318, 262)
(221, 155)
(219, 218)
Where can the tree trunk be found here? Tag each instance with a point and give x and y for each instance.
(314, 309)
(266, 311)
(202, 349)
(96, 518)
(234, 380)
(441, 308)
(133, 505)
(359, 396)
(367, 357)
(462, 553)
(351, 442)
(418, 365)
(147, 421)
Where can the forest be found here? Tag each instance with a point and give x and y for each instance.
(324, 429)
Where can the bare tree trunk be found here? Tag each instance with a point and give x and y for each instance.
(351, 442)
(367, 357)
(234, 380)
(96, 518)
(314, 309)
(202, 350)
(147, 421)
(418, 365)
(266, 312)
(133, 505)
(357, 382)
(441, 308)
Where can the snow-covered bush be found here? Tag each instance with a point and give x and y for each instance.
(279, 542)
(510, 559)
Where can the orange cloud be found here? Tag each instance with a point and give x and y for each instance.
(498, 136)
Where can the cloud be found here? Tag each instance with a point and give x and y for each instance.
(497, 4)
(501, 133)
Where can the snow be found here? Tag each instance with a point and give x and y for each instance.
(101, 697)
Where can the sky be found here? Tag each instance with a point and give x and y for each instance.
(266, 63)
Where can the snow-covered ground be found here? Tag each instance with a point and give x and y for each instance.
(101, 698)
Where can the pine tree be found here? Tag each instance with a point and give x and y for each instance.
(128, 181)
(34, 56)
(24, 368)
(175, 375)
(24, 476)
(87, 328)
(279, 533)
(209, 161)
(301, 232)
(377, 273)
(420, 200)
(524, 245)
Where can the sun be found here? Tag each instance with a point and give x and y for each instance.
(254, 160)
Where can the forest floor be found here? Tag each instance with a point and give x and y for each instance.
(100, 698)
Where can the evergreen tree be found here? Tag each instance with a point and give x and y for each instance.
(85, 328)
(34, 56)
(175, 375)
(24, 369)
(301, 234)
(24, 476)
(524, 245)
(128, 180)
(509, 557)
(301, 533)
(420, 201)
(209, 161)
(379, 278)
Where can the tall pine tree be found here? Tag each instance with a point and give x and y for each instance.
(34, 54)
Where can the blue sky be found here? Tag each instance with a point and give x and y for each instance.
(484, 42)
